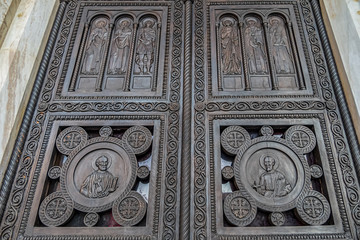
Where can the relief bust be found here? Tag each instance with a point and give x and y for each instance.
(100, 183)
(272, 183)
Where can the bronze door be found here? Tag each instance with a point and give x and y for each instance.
(185, 120)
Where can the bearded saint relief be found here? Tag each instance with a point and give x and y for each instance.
(230, 49)
(146, 47)
(280, 46)
(100, 183)
(255, 46)
(272, 183)
(120, 47)
(95, 47)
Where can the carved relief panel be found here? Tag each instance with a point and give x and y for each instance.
(116, 52)
(99, 177)
(263, 44)
(188, 119)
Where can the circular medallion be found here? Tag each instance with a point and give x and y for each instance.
(71, 138)
(91, 219)
(138, 138)
(56, 209)
(239, 210)
(301, 138)
(105, 131)
(316, 171)
(129, 210)
(143, 172)
(98, 173)
(227, 173)
(232, 138)
(277, 218)
(54, 172)
(267, 131)
(313, 209)
(273, 173)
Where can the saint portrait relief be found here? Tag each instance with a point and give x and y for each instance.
(230, 48)
(100, 183)
(120, 48)
(280, 46)
(272, 183)
(146, 47)
(255, 47)
(95, 47)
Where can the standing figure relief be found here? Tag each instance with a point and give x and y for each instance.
(230, 48)
(254, 42)
(95, 47)
(120, 47)
(146, 47)
(280, 46)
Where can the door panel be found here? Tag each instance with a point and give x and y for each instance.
(185, 120)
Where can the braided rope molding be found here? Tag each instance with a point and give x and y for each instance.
(339, 93)
(25, 126)
(186, 129)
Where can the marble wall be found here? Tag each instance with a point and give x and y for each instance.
(20, 56)
(28, 22)
(342, 18)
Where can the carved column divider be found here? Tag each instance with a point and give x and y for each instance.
(218, 52)
(296, 57)
(246, 65)
(156, 67)
(78, 61)
(274, 82)
(130, 63)
(186, 128)
(100, 79)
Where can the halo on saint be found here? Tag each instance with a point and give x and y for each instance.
(149, 20)
(101, 20)
(251, 19)
(103, 155)
(276, 19)
(269, 155)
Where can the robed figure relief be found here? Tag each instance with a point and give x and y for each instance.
(254, 42)
(95, 47)
(100, 183)
(280, 46)
(272, 183)
(146, 46)
(230, 48)
(120, 47)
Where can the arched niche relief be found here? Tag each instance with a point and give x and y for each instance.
(88, 72)
(145, 63)
(230, 53)
(283, 54)
(120, 53)
(256, 53)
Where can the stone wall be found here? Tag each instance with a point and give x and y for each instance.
(25, 25)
